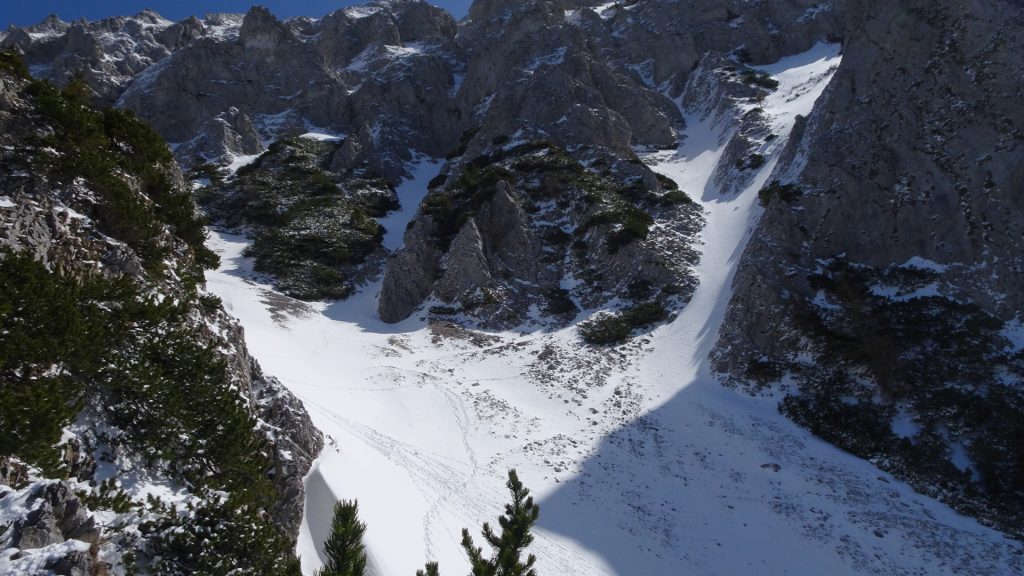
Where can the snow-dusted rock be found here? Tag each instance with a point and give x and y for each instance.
(230, 134)
(892, 243)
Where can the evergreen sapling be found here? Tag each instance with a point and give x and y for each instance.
(346, 555)
(508, 545)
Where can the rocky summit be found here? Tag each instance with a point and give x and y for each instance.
(649, 253)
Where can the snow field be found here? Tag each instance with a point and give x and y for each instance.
(641, 462)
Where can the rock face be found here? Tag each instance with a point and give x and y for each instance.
(348, 69)
(546, 77)
(271, 72)
(408, 79)
(410, 273)
(892, 244)
(402, 78)
(55, 526)
(597, 84)
(296, 442)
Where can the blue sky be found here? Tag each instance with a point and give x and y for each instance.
(24, 12)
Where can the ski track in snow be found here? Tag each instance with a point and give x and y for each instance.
(641, 462)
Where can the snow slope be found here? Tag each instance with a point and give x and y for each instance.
(642, 463)
(410, 194)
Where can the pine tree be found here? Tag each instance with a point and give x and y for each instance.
(346, 555)
(508, 546)
(430, 570)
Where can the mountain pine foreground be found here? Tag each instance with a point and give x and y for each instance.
(735, 287)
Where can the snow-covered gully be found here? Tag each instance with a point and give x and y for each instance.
(643, 464)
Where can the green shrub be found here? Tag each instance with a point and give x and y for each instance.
(555, 235)
(559, 302)
(108, 496)
(764, 371)
(321, 183)
(508, 544)
(346, 554)
(51, 335)
(106, 339)
(752, 162)
(944, 361)
(788, 193)
(554, 159)
(666, 182)
(861, 427)
(221, 537)
(476, 299)
(628, 222)
(646, 314)
(464, 141)
(308, 229)
(203, 169)
(760, 79)
(144, 361)
(674, 198)
(617, 327)
(451, 208)
(437, 181)
(12, 63)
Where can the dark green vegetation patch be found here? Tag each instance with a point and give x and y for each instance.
(788, 193)
(64, 342)
(311, 229)
(909, 352)
(759, 79)
(101, 147)
(132, 351)
(616, 327)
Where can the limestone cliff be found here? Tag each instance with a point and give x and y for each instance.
(887, 267)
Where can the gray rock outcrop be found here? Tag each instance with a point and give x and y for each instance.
(465, 265)
(56, 515)
(916, 175)
(887, 268)
(547, 78)
(498, 243)
(660, 42)
(410, 273)
(229, 134)
(352, 68)
(296, 443)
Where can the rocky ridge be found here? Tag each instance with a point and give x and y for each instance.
(89, 506)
